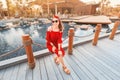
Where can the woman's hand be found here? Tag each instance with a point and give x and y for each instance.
(53, 48)
(60, 52)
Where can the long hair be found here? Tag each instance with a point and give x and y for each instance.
(60, 26)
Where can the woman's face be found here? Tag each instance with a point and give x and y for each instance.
(55, 22)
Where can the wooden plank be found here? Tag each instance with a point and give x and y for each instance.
(49, 69)
(76, 69)
(15, 73)
(21, 59)
(36, 71)
(95, 20)
(112, 42)
(8, 73)
(104, 70)
(12, 61)
(84, 61)
(90, 20)
(93, 66)
(114, 55)
(22, 71)
(44, 75)
(101, 61)
(73, 73)
(61, 72)
(105, 59)
(29, 74)
(111, 50)
(56, 69)
(83, 68)
(117, 37)
(110, 59)
(65, 76)
(2, 73)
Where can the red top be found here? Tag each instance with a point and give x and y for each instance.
(55, 37)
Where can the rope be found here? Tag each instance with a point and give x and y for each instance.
(87, 35)
(65, 38)
(39, 45)
(11, 52)
(27, 42)
(103, 31)
(107, 31)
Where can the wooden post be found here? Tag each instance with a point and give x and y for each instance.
(28, 48)
(96, 36)
(119, 14)
(117, 23)
(70, 41)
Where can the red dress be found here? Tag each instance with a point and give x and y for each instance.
(55, 37)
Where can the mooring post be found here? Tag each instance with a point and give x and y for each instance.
(70, 41)
(96, 36)
(117, 23)
(27, 41)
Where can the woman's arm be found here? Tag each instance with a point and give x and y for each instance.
(60, 41)
(51, 44)
(48, 36)
(59, 46)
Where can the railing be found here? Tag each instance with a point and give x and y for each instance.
(11, 52)
(117, 23)
(27, 42)
(96, 35)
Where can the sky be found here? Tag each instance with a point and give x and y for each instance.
(113, 2)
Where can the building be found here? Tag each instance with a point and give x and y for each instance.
(70, 7)
(23, 7)
(67, 7)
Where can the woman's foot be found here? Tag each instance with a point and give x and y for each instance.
(66, 70)
(56, 60)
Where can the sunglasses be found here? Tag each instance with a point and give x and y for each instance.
(54, 21)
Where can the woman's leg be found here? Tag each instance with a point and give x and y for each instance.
(62, 62)
(56, 59)
(59, 58)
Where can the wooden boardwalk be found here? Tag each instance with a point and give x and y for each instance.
(89, 19)
(101, 62)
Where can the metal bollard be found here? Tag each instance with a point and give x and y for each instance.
(96, 36)
(28, 48)
(117, 23)
(70, 41)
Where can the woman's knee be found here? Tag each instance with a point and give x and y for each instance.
(60, 53)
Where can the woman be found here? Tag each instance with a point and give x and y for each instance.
(54, 42)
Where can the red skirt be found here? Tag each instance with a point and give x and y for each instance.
(56, 50)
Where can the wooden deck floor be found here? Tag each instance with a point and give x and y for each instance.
(89, 19)
(101, 62)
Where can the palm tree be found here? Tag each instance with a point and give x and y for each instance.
(104, 6)
(8, 8)
(1, 10)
